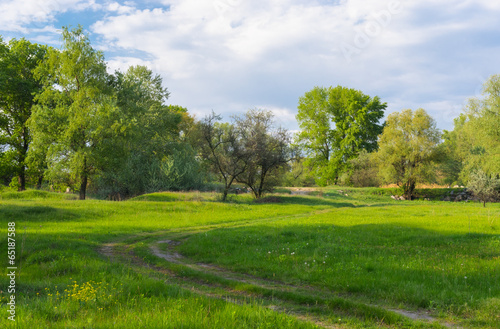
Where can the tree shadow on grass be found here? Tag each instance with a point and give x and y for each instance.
(45, 214)
(315, 201)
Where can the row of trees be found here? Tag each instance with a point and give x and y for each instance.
(344, 142)
(65, 120)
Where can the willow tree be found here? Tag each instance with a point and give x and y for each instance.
(75, 111)
(407, 149)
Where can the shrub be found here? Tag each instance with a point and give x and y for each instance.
(485, 187)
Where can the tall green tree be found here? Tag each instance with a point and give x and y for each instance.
(18, 62)
(336, 124)
(407, 149)
(151, 152)
(76, 111)
(477, 132)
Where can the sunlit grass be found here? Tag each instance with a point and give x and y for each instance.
(423, 255)
(439, 256)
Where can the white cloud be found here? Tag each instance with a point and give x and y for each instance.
(232, 55)
(17, 15)
(283, 117)
(118, 8)
(123, 63)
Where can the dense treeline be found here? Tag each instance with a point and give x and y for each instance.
(66, 122)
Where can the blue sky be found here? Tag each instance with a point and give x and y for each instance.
(232, 55)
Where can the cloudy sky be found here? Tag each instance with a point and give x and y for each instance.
(232, 55)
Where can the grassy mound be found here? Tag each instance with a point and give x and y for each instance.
(35, 194)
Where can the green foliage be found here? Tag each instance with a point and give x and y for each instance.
(407, 149)
(222, 149)
(7, 170)
(14, 184)
(267, 148)
(19, 86)
(336, 124)
(149, 151)
(299, 174)
(450, 164)
(363, 171)
(112, 133)
(477, 132)
(75, 111)
(249, 151)
(140, 173)
(485, 187)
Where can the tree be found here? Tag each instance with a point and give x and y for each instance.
(477, 132)
(299, 174)
(151, 152)
(268, 150)
(18, 61)
(76, 112)
(363, 170)
(336, 124)
(223, 149)
(450, 163)
(483, 186)
(407, 149)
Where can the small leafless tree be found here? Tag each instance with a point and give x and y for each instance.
(222, 148)
(268, 149)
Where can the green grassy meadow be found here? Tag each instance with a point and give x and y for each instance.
(355, 259)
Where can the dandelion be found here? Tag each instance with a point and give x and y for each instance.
(465, 277)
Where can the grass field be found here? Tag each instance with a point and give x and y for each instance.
(350, 259)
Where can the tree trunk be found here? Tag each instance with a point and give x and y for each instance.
(224, 193)
(409, 188)
(22, 173)
(21, 179)
(83, 182)
(83, 187)
(39, 183)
